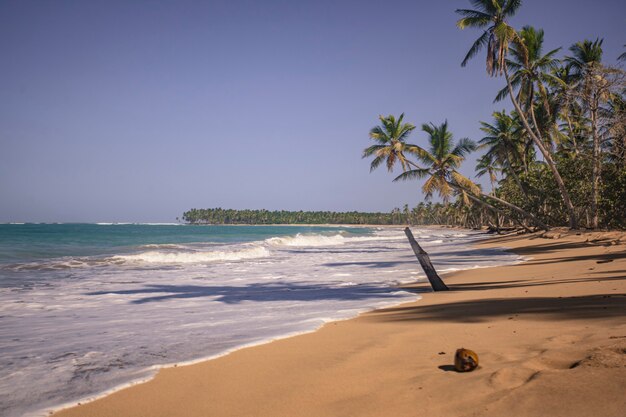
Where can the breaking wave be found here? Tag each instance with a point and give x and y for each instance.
(307, 240)
(161, 257)
(317, 240)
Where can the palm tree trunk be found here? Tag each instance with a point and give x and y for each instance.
(573, 224)
(568, 119)
(524, 213)
(435, 281)
(595, 173)
(513, 207)
(496, 210)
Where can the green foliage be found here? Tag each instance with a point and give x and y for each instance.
(613, 196)
(441, 161)
(545, 201)
(230, 216)
(491, 16)
(391, 147)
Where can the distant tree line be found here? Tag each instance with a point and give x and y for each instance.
(230, 216)
(425, 213)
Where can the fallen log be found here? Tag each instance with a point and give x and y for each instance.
(424, 260)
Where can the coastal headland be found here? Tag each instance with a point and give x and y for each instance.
(550, 334)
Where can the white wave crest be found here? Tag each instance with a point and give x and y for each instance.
(376, 238)
(325, 240)
(307, 240)
(163, 246)
(161, 257)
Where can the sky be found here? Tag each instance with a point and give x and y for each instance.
(140, 110)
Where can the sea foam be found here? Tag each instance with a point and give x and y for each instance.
(161, 257)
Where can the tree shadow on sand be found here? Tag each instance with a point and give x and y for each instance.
(258, 292)
(539, 308)
(520, 283)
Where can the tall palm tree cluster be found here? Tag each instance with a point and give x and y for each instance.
(558, 158)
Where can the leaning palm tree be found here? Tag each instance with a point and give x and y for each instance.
(492, 15)
(441, 162)
(442, 159)
(391, 147)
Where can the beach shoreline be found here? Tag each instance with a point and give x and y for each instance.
(382, 363)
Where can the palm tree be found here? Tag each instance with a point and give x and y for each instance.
(586, 66)
(391, 147)
(505, 145)
(492, 15)
(407, 214)
(615, 129)
(531, 71)
(487, 166)
(572, 136)
(441, 162)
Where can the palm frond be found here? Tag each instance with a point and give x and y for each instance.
(417, 173)
(376, 162)
(463, 147)
(511, 7)
(371, 150)
(479, 44)
(465, 182)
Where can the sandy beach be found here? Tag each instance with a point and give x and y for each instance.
(550, 334)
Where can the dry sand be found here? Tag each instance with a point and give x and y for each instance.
(550, 334)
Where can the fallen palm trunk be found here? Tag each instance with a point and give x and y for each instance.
(424, 260)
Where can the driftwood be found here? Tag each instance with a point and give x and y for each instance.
(427, 266)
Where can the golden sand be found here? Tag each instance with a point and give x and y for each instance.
(550, 334)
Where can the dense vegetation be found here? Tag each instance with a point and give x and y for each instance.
(423, 214)
(229, 216)
(558, 158)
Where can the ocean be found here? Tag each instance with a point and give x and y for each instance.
(88, 308)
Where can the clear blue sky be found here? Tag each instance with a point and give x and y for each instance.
(139, 110)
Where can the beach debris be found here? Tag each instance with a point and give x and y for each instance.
(604, 261)
(435, 281)
(465, 360)
(442, 353)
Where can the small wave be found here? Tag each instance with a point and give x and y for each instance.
(325, 240)
(376, 238)
(163, 246)
(154, 257)
(307, 240)
(161, 257)
(57, 265)
(160, 224)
